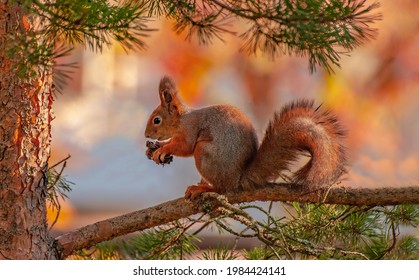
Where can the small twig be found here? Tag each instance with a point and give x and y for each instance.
(56, 216)
(353, 253)
(176, 238)
(393, 243)
(58, 163)
(181, 249)
(327, 193)
(267, 213)
(57, 204)
(241, 216)
(58, 177)
(349, 213)
(206, 224)
(286, 245)
(275, 252)
(234, 232)
(236, 241)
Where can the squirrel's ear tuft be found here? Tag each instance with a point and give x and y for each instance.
(167, 82)
(167, 90)
(169, 95)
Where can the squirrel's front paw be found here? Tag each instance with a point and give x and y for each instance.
(159, 157)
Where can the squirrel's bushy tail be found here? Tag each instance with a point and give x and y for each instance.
(299, 127)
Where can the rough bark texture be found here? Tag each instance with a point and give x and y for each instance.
(25, 116)
(181, 208)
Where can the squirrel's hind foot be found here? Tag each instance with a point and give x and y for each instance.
(193, 191)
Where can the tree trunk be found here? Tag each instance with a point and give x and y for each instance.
(25, 117)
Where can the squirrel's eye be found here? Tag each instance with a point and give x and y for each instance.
(157, 120)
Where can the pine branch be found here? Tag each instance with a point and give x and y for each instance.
(320, 30)
(202, 20)
(94, 23)
(53, 28)
(180, 208)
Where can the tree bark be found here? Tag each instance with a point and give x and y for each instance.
(180, 208)
(25, 117)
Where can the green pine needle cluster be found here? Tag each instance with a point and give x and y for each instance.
(319, 30)
(94, 23)
(160, 243)
(351, 232)
(221, 252)
(167, 242)
(57, 187)
(51, 29)
(102, 251)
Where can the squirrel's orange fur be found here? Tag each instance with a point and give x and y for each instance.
(225, 146)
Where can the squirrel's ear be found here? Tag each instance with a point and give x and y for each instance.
(169, 94)
(166, 97)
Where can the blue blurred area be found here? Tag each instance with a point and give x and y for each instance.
(123, 179)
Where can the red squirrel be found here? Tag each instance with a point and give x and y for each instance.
(225, 147)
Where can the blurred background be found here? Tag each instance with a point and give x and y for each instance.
(101, 115)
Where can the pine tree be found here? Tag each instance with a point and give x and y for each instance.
(34, 33)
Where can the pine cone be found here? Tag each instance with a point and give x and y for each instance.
(152, 146)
